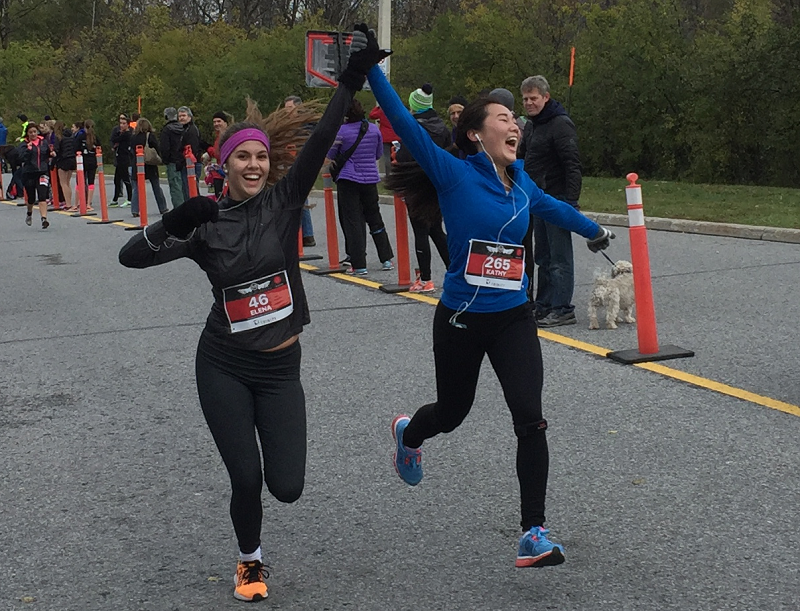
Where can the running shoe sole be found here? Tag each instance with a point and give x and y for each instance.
(254, 599)
(551, 558)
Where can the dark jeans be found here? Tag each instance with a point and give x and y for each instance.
(422, 231)
(198, 170)
(511, 341)
(552, 252)
(358, 207)
(151, 176)
(247, 392)
(122, 175)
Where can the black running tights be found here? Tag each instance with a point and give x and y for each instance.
(511, 341)
(243, 393)
(422, 231)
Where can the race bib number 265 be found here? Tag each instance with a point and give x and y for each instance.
(495, 265)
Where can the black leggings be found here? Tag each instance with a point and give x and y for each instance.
(423, 230)
(247, 392)
(359, 205)
(510, 339)
(122, 176)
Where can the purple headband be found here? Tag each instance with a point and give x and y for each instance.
(243, 135)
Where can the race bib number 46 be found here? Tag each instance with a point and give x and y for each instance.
(258, 303)
(495, 265)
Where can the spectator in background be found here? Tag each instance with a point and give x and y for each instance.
(3, 138)
(189, 137)
(454, 109)
(549, 146)
(25, 122)
(64, 148)
(306, 224)
(357, 190)
(214, 172)
(121, 143)
(86, 142)
(134, 121)
(171, 154)
(421, 104)
(143, 135)
(388, 134)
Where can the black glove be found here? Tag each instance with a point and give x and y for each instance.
(180, 221)
(364, 53)
(601, 241)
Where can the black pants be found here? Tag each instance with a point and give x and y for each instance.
(247, 392)
(358, 207)
(422, 231)
(122, 175)
(510, 340)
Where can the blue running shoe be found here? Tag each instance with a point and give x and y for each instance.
(535, 549)
(407, 461)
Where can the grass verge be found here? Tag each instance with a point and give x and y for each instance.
(760, 206)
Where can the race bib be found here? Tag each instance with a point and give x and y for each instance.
(258, 303)
(495, 265)
(44, 181)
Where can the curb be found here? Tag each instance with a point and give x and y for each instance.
(728, 230)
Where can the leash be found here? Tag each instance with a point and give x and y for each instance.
(602, 252)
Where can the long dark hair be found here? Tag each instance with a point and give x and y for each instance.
(88, 126)
(287, 129)
(410, 181)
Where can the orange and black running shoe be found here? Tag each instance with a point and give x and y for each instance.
(250, 581)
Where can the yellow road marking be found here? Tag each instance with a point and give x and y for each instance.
(719, 387)
(676, 374)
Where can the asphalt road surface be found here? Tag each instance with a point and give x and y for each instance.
(665, 495)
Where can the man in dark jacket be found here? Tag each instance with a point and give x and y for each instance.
(172, 155)
(190, 137)
(550, 149)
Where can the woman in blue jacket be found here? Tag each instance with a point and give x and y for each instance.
(486, 201)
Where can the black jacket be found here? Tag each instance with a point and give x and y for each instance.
(121, 142)
(171, 135)
(35, 158)
(436, 129)
(65, 151)
(550, 149)
(190, 137)
(89, 152)
(251, 241)
(138, 140)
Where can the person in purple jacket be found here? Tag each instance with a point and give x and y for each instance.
(486, 201)
(357, 190)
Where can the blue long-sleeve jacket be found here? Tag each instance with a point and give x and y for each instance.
(475, 204)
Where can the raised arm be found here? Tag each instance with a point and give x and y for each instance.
(440, 166)
(364, 53)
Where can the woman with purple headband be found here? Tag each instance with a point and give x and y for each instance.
(248, 359)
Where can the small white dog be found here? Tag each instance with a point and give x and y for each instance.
(615, 293)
